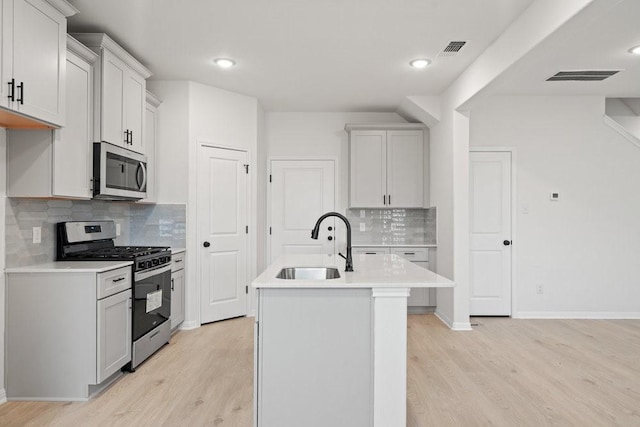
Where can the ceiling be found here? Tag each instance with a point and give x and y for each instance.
(304, 55)
(597, 39)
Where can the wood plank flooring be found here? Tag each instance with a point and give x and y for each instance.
(504, 373)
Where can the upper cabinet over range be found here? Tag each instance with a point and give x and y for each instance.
(33, 54)
(120, 93)
(386, 165)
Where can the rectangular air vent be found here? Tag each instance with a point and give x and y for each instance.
(452, 48)
(582, 75)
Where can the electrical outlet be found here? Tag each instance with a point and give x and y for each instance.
(363, 227)
(118, 230)
(37, 235)
(539, 289)
(362, 213)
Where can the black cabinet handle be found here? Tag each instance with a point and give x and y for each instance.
(409, 253)
(12, 90)
(131, 137)
(506, 242)
(330, 228)
(389, 199)
(384, 200)
(21, 87)
(118, 280)
(126, 136)
(172, 285)
(369, 253)
(206, 244)
(330, 238)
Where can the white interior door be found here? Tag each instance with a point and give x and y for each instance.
(490, 257)
(222, 233)
(301, 191)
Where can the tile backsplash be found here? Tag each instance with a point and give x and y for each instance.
(161, 225)
(393, 226)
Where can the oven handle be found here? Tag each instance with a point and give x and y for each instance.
(148, 273)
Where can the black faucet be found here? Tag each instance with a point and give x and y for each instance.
(316, 230)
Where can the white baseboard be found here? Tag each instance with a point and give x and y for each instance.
(577, 315)
(454, 326)
(3, 396)
(188, 325)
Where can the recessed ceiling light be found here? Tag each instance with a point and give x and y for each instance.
(635, 50)
(224, 62)
(420, 63)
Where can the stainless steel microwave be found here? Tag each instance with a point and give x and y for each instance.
(118, 173)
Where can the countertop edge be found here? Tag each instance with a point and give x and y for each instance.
(380, 245)
(70, 267)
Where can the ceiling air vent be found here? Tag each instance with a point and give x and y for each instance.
(582, 75)
(452, 48)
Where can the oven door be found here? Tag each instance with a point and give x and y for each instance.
(119, 174)
(151, 299)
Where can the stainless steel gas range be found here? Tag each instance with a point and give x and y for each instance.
(151, 289)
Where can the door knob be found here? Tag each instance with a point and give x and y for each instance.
(206, 244)
(330, 238)
(506, 242)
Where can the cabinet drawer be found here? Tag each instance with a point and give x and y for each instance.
(370, 251)
(114, 281)
(177, 261)
(412, 254)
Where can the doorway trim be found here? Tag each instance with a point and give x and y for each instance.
(336, 198)
(514, 212)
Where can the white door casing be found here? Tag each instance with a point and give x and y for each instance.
(222, 233)
(490, 192)
(301, 191)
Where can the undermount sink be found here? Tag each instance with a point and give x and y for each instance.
(309, 273)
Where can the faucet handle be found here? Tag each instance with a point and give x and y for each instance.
(339, 253)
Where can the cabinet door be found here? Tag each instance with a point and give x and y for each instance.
(134, 108)
(112, 118)
(72, 145)
(368, 159)
(177, 298)
(405, 159)
(39, 52)
(6, 70)
(114, 334)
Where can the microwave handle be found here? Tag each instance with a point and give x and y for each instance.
(144, 175)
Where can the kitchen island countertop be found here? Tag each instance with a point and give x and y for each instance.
(370, 271)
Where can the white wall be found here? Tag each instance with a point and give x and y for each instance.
(3, 192)
(583, 248)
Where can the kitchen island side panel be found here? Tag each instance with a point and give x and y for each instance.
(315, 358)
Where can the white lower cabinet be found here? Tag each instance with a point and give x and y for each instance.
(177, 289)
(419, 297)
(68, 330)
(114, 346)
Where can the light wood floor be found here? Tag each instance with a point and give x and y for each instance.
(504, 373)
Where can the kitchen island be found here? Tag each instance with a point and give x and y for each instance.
(333, 352)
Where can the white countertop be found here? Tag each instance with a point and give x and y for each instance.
(382, 245)
(71, 267)
(370, 271)
(177, 250)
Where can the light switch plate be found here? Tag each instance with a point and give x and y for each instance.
(37, 235)
(362, 213)
(118, 230)
(363, 227)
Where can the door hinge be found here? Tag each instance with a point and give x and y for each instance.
(270, 177)
(246, 168)
(246, 229)
(269, 230)
(246, 289)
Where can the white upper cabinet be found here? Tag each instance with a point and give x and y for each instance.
(120, 92)
(58, 163)
(33, 62)
(386, 166)
(150, 126)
